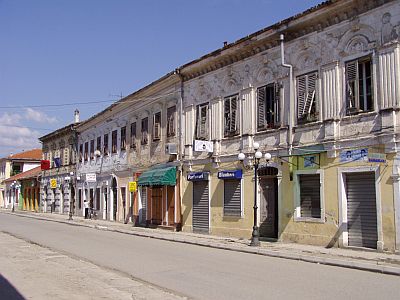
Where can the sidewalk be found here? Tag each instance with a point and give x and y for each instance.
(362, 259)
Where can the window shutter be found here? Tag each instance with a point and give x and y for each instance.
(233, 114)
(301, 96)
(351, 74)
(310, 96)
(202, 122)
(261, 108)
(277, 100)
(66, 156)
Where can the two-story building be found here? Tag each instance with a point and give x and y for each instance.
(58, 180)
(320, 93)
(125, 173)
(11, 166)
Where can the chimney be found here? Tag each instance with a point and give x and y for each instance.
(76, 115)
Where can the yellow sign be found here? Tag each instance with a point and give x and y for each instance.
(132, 186)
(53, 183)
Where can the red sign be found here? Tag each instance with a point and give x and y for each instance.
(45, 164)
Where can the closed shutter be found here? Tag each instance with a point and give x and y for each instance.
(277, 101)
(310, 199)
(351, 84)
(301, 95)
(200, 207)
(202, 122)
(261, 108)
(66, 156)
(361, 210)
(232, 197)
(144, 205)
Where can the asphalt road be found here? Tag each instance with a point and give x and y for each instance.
(201, 272)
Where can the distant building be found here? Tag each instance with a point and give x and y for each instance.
(13, 165)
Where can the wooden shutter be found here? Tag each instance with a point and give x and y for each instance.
(301, 95)
(261, 108)
(234, 115)
(277, 106)
(133, 135)
(202, 122)
(65, 156)
(310, 96)
(351, 84)
(157, 126)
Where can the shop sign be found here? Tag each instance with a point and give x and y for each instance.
(132, 186)
(354, 155)
(91, 177)
(377, 157)
(310, 161)
(234, 174)
(203, 146)
(197, 176)
(53, 183)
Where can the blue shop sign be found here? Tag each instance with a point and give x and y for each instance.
(197, 176)
(234, 174)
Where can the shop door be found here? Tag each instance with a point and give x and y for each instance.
(143, 200)
(156, 205)
(361, 210)
(269, 207)
(171, 204)
(200, 207)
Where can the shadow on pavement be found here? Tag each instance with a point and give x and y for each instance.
(8, 291)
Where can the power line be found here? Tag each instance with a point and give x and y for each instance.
(56, 105)
(26, 127)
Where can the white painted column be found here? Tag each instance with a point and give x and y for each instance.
(396, 197)
(111, 204)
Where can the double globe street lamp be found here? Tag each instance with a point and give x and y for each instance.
(255, 161)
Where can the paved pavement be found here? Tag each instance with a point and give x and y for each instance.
(362, 259)
(23, 276)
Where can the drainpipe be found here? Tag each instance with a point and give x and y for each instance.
(291, 100)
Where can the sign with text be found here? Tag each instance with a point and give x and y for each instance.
(377, 157)
(53, 183)
(132, 186)
(197, 176)
(234, 174)
(203, 146)
(354, 155)
(91, 177)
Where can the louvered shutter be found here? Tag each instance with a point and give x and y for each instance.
(202, 122)
(310, 98)
(234, 115)
(301, 95)
(261, 108)
(66, 156)
(227, 115)
(277, 106)
(351, 84)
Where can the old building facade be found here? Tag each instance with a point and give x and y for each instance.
(122, 151)
(320, 93)
(58, 180)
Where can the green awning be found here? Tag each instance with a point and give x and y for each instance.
(158, 176)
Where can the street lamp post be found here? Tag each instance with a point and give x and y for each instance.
(255, 235)
(70, 197)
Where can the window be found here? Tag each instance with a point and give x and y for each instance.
(80, 152)
(268, 106)
(232, 197)
(157, 126)
(202, 122)
(97, 199)
(114, 141)
(92, 149)
(133, 135)
(105, 145)
(171, 115)
(359, 85)
(145, 126)
(71, 155)
(86, 157)
(309, 195)
(98, 143)
(307, 106)
(123, 138)
(65, 156)
(80, 199)
(231, 116)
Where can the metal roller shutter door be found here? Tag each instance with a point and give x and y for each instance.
(361, 210)
(200, 207)
(232, 199)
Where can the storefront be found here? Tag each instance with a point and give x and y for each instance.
(201, 201)
(159, 203)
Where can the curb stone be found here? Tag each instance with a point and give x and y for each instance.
(352, 263)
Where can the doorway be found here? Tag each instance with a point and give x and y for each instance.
(269, 207)
(115, 198)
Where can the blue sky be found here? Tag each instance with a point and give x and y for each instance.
(73, 51)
